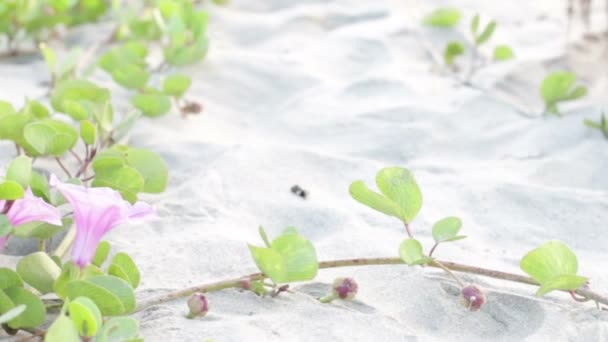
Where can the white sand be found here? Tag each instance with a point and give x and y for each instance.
(321, 93)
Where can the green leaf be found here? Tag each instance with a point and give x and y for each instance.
(131, 76)
(40, 186)
(35, 312)
(85, 315)
(10, 190)
(152, 104)
(49, 56)
(475, 25)
(176, 85)
(88, 132)
(118, 329)
(35, 109)
(112, 295)
(486, 34)
(443, 17)
(503, 53)
(447, 229)
(70, 271)
(557, 87)
(362, 194)
(453, 50)
(50, 137)
(62, 330)
(78, 90)
(123, 265)
(20, 170)
(127, 180)
(562, 282)
(9, 278)
(41, 230)
(411, 253)
(553, 265)
(12, 313)
(101, 254)
(290, 257)
(399, 185)
(5, 225)
(39, 271)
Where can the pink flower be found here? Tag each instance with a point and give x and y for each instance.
(30, 209)
(96, 212)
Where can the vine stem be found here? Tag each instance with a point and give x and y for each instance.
(446, 265)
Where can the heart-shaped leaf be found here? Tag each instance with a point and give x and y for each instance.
(447, 229)
(412, 254)
(85, 315)
(399, 185)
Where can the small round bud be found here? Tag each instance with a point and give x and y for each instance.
(245, 284)
(473, 297)
(345, 288)
(198, 305)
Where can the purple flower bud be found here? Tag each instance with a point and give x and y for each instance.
(345, 288)
(473, 297)
(198, 305)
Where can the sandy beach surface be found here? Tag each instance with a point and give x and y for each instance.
(320, 93)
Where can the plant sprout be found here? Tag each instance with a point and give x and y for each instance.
(601, 125)
(560, 86)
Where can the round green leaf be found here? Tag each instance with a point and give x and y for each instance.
(452, 50)
(39, 271)
(12, 313)
(41, 230)
(35, 312)
(126, 268)
(553, 265)
(88, 132)
(112, 295)
(176, 85)
(20, 170)
(9, 278)
(85, 315)
(50, 137)
(69, 272)
(411, 252)
(443, 17)
(447, 229)
(62, 330)
(362, 194)
(10, 190)
(399, 185)
(152, 104)
(77, 90)
(118, 329)
(131, 76)
(101, 254)
(503, 53)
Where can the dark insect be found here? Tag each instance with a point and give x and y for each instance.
(296, 190)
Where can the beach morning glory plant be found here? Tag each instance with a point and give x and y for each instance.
(96, 212)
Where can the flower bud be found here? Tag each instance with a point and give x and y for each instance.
(473, 297)
(345, 288)
(198, 305)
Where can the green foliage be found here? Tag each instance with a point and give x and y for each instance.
(85, 315)
(443, 17)
(447, 230)
(119, 329)
(62, 330)
(101, 254)
(88, 132)
(34, 314)
(75, 97)
(40, 186)
(187, 32)
(122, 266)
(503, 53)
(152, 103)
(41, 230)
(112, 295)
(12, 313)
(39, 271)
(487, 32)
(290, 257)
(400, 197)
(554, 266)
(411, 253)
(49, 137)
(602, 125)
(453, 50)
(176, 85)
(559, 86)
(10, 190)
(20, 171)
(130, 171)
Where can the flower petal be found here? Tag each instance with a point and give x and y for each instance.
(33, 209)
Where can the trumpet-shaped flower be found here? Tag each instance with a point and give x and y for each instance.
(30, 209)
(96, 212)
